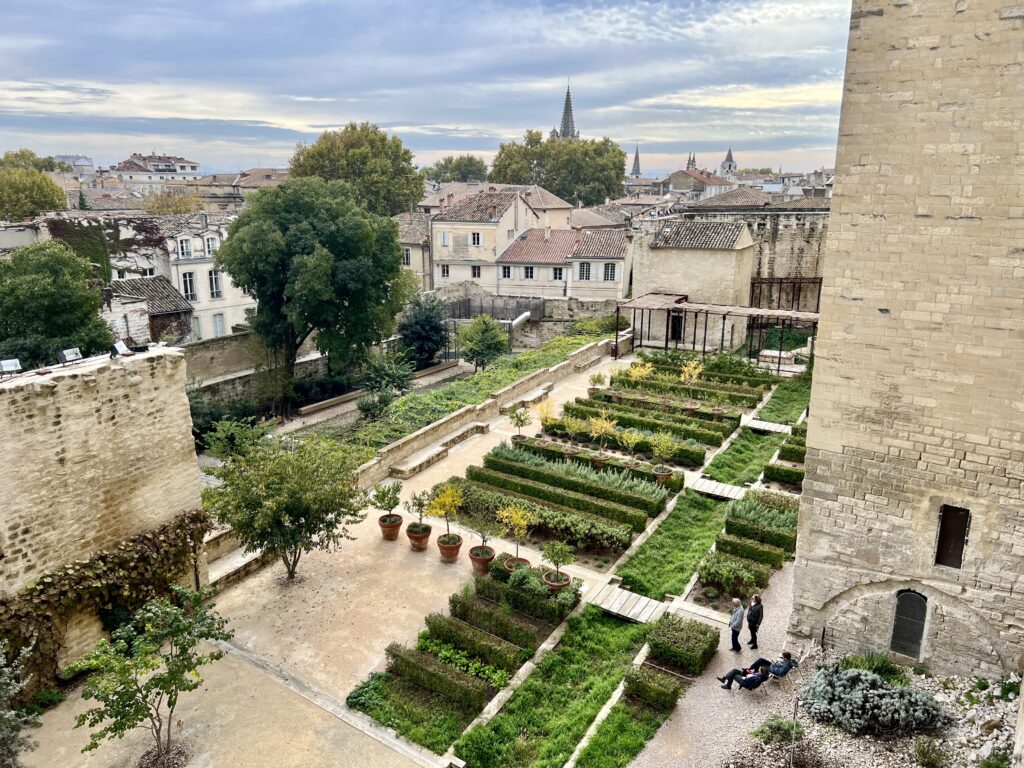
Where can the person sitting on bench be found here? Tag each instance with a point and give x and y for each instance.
(745, 678)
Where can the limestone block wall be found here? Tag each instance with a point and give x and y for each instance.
(918, 395)
(94, 453)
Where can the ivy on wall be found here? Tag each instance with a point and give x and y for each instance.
(91, 242)
(115, 582)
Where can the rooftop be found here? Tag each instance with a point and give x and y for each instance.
(413, 227)
(481, 207)
(160, 294)
(601, 244)
(699, 235)
(532, 247)
(452, 192)
(741, 197)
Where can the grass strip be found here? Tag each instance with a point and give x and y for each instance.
(621, 736)
(664, 563)
(788, 401)
(745, 458)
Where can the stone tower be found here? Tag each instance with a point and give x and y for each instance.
(567, 129)
(635, 173)
(912, 521)
(728, 166)
(691, 162)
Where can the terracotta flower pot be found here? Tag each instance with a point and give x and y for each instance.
(518, 438)
(449, 544)
(513, 564)
(481, 557)
(662, 474)
(555, 586)
(390, 525)
(419, 535)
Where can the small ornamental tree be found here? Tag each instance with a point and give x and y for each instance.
(558, 553)
(639, 371)
(386, 496)
(446, 504)
(601, 428)
(482, 341)
(138, 675)
(423, 327)
(12, 741)
(630, 439)
(416, 506)
(597, 380)
(520, 418)
(691, 371)
(663, 447)
(515, 521)
(573, 427)
(288, 499)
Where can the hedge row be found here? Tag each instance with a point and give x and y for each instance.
(539, 490)
(492, 619)
(731, 380)
(658, 689)
(754, 378)
(779, 473)
(683, 643)
(427, 672)
(672, 419)
(699, 393)
(580, 529)
(793, 452)
(626, 419)
(641, 469)
(733, 575)
(687, 455)
(751, 550)
(800, 430)
(552, 476)
(736, 526)
(494, 650)
(536, 606)
(646, 401)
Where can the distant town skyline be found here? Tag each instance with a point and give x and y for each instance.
(237, 86)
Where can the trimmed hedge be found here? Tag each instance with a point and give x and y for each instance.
(733, 575)
(427, 672)
(769, 508)
(800, 430)
(724, 379)
(687, 455)
(580, 529)
(581, 501)
(647, 401)
(737, 526)
(536, 605)
(745, 399)
(683, 643)
(626, 419)
(551, 476)
(642, 470)
(755, 377)
(779, 473)
(658, 689)
(669, 419)
(495, 651)
(490, 619)
(794, 452)
(751, 550)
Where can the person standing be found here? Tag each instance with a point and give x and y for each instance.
(736, 623)
(754, 616)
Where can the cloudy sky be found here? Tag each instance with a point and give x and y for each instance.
(236, 84)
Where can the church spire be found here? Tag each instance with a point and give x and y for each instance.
(635, 173)
(568, 128)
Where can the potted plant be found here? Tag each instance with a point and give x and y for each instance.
(515, 522)
(546, 411)
(446, 503)
(482, 555)
(418, 532)
(718, 401)
(630, 439)
(600, 429)
(597, 381)
(558, 553)
(520, 418)
(573, 428)
(639, 371)
(385, 497)
(663, 447)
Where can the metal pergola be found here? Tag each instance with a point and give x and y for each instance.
(766, 291)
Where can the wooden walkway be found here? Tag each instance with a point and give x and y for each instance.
(628, 605)
(769, 426)
(716, 489)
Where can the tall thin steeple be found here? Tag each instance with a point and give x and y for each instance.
(568, 128)
(635, 173)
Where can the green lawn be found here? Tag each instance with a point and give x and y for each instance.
(665, 562)
(745, 458)
(621, 736)
(542, 723)
(788, 401)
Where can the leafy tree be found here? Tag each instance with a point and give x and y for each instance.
(520, 418)
(139, 674)
(171, 202)
(83, 204)
(482, 341)
(315, 262)
(377, 168)
(577, 170)
(47, 303)
(423, 327)
(25, 192)
(288, 499)
(515, 520)
(12, 741)
(387, 372)
(461, 168)
(230, 437)
(558, 553)
(26, 158)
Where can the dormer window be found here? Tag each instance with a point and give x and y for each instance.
(185, 248)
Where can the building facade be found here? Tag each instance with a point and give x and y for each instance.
(153, 174)
(414, 240)
(911, 535)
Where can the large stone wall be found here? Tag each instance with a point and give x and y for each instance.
(95, 453)
(918, 396)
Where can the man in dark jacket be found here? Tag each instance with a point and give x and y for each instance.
(745, 678)
(754, 616)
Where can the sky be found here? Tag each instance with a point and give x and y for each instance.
(237, 84)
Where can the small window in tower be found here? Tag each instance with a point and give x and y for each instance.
(954, 524)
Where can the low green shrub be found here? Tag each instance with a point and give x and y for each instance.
(1000, 759)
(668, 419)
(428, 672)
(800, 430)
(733, 575)
(525, 598)
(597, 326)
(462, 660)
(491, 649)
(794, 452)
(737, 526)
(778, 729)
(929, 753)
(504, 624)
(767, 508)
(689, 455)
(745, 399)
(566, 498)
(648, 401)
(683, 643)
(861, 702)
(638, 470)
(751, 550)
(653, 687)
(626, 419)
(779, 473)
(880, 664)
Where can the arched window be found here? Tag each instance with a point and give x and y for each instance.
(908, 623)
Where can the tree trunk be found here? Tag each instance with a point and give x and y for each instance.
(291, 562)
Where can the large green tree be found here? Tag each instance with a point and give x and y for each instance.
(577, 170)
(48, 302)
(316, 262)
(26, 158)
(25, 192)
(482, 341)
(461, 168)
(424, 327)
(377, 167)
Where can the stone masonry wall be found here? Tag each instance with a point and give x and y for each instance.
(918, 395)
(95, 453)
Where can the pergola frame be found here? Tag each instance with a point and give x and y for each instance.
(799, 286)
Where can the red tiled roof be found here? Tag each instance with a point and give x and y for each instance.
(413, 227)
(482, 207)
(741, 197)
(532, 248)
(601, 244)
(698, 235)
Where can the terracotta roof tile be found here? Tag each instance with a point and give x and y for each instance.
(481, 207)
(741, 197)
(531, 247)
(161, 296)
(698, 235)
(601, 244)
(413, 227)
(803, 204)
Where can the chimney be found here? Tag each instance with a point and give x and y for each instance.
(547, 233)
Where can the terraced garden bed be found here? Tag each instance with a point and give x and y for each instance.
(641, 401)
(789, 400)
(745, 458)
(745, 397)
(686, 453)
(704, 432)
